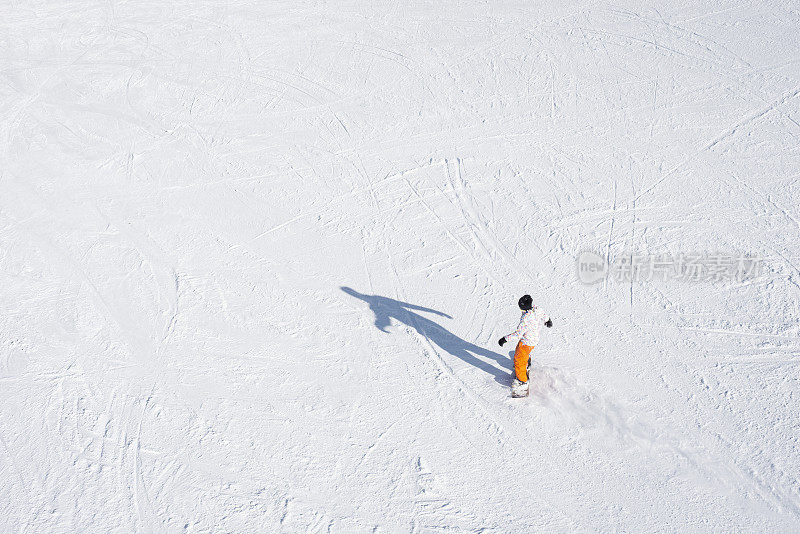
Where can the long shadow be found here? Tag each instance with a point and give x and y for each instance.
(386, 309)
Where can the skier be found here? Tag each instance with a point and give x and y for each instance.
(528, 334)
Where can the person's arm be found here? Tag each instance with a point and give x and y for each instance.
(515, 334)
(547, 321)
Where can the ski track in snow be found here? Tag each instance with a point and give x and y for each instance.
(255, 258)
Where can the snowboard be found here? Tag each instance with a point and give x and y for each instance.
(520, 390)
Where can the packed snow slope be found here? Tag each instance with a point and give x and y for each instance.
(255, 258)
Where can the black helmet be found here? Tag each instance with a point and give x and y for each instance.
(525, 302)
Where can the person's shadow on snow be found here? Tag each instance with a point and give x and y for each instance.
(386, 309)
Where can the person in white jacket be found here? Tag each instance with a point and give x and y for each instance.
(528, 334)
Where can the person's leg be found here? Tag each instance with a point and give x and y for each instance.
(521, 362)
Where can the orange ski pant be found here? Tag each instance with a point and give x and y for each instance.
(521, 358)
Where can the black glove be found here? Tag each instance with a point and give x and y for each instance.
(502, 341)
(549, 323)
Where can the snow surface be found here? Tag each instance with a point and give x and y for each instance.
(255, 258)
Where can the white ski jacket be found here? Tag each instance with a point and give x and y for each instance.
(529, 325)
